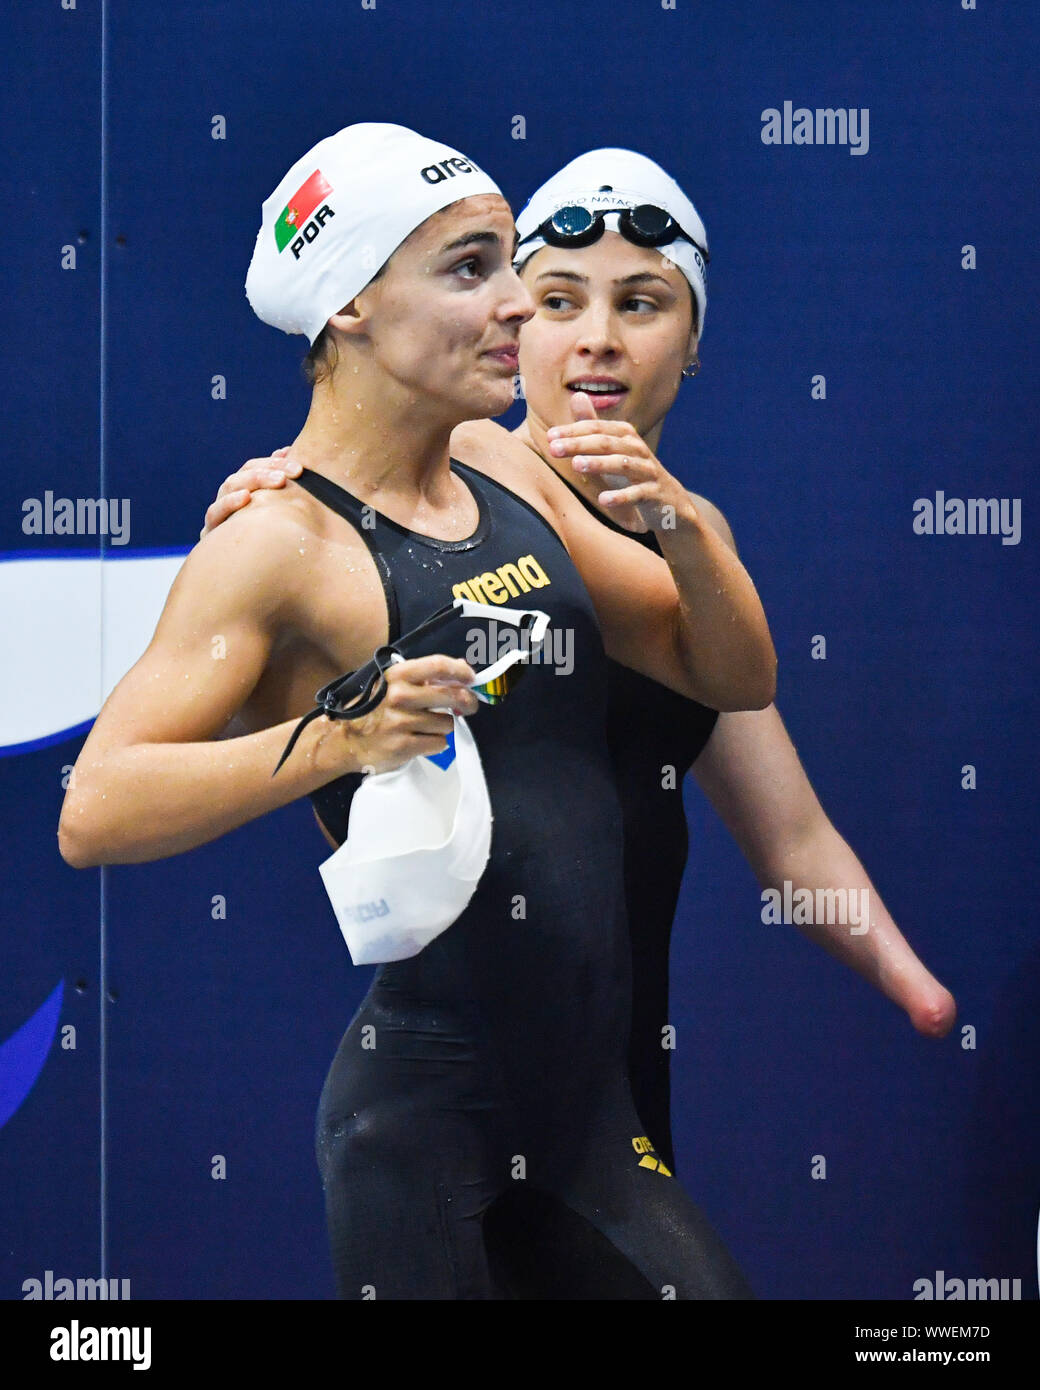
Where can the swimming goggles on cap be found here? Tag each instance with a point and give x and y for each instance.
(644, 225)
(358, 692)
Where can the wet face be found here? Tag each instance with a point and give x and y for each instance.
(611, 317)
(444, 319)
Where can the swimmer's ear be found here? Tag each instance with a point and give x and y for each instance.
(352, 318)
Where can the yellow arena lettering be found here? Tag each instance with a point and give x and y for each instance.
(507, 581)
(532, 571)
(493, 587)
(513, 580)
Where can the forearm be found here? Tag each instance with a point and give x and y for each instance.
(822, 859)
(721, 632)
(149, 801)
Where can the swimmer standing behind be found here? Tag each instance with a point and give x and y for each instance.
(612, 310)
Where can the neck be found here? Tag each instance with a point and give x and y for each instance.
(368, 433)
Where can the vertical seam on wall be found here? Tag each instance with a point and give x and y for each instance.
(103, 492)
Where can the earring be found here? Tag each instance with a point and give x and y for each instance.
(693, 368)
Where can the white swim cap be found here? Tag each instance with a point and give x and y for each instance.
(339, 214)
(612, 178)
(417, 844)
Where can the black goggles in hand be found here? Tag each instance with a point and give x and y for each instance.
(644, 225)
(358, 692)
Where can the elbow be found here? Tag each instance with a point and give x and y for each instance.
(75, 843)
(737, 703)
(765, 692)
(754, 688)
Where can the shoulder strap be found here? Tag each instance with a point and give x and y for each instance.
(646, 538)
(347, 506)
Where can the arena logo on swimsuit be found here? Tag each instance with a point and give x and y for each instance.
(649, 1159)
(508, 581)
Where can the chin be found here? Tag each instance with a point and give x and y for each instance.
(489, 402)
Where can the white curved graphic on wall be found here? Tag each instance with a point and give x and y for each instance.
(71, 626)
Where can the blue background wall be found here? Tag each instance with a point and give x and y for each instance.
(217, 1033)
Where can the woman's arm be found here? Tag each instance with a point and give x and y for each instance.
(692, 622)
(716, 632)
(752, 775)
(151, 781)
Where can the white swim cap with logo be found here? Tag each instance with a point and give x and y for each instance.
(612, 178)
(340, 213)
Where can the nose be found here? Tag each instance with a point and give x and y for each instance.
(598, 332)
(517, 306)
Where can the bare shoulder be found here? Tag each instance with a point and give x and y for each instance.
(483, 437)
(485, 445)
(715, 519)
(491, 449)
(256, 558)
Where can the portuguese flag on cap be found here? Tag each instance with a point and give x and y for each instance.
(299, 208)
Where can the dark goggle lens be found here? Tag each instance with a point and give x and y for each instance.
(572, 221)
(646, 225)
(652, 226)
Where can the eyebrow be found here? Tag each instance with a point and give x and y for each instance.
(640, 278)
(483, 238)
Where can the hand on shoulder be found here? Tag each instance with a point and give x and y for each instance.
(258, 553)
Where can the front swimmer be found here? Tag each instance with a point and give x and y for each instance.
(493, 1062)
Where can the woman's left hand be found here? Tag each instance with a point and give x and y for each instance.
(236, 489)
(642, 495)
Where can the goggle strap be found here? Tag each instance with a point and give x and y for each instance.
(358, 692)
(584, 236)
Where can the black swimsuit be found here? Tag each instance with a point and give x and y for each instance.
(491, 1069)
(654, 736)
